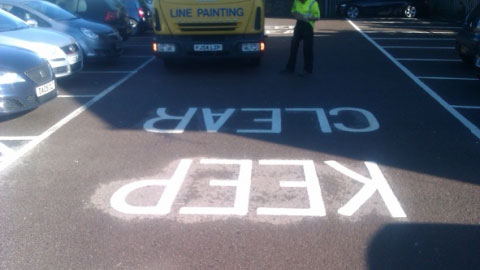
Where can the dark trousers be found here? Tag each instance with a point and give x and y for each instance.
(303, 31)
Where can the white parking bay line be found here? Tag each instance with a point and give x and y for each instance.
(17, 138)
(429, 60)
(474, 129)
(419, 47)
(466, 107)
(106, 72)
(76, 96)
(410, 32)
(32, 144)
(415, 39)
(446, 78)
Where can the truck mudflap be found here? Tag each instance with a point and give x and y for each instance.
(229, 46)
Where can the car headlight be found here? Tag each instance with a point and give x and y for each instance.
(10, 78)
(89, 33)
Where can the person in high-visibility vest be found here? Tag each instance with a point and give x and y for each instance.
(307, 13)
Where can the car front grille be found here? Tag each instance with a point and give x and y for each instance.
(72, 48)
(41, 74)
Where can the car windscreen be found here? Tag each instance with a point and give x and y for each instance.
(50, 10)
(9, 22)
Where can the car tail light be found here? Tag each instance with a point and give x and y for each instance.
(141, 13)
(111, 16)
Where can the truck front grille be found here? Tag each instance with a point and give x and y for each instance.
(198, 27)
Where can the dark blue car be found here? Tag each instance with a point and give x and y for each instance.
(139, 15)
(98, 41)
(26, 80)
(468, 39)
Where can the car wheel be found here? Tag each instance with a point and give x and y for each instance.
(134, 25)
(352, 12)
(410, 11)
(465, 58)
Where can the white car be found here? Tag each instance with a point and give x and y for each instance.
(61, 50)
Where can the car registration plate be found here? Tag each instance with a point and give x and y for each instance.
(72, 59)
(45, 89)
(208, 47)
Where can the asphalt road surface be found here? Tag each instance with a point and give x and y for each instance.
(371, 163)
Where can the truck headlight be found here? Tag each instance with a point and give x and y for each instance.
(10, 78)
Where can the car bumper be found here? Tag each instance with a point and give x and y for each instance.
(101, 50)
(19, 97)
(63, 67)
(231, 46)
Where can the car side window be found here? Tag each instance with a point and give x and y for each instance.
(26, 15)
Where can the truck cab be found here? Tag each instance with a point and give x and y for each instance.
(208, 28)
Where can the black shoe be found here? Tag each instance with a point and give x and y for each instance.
(286, 72)
(304, 74)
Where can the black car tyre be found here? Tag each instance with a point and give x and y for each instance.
(465, 58)
(352, 12)
(410, 11)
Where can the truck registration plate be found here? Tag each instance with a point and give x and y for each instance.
(208, 47)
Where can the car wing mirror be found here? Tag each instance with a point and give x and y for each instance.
(32, 23)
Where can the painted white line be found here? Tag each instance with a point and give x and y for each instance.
(106, 72)
(411, 32)
(428, 60)
(76, 96)
(17, 138)
(474, 129)
(417, 39)
(419, 47)
(5, 151)
(136, 56)
(137, 45)
(447, 78)
(466, 107)
(32, 144)
(417, 27)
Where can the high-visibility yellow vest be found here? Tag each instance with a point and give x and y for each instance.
(309, 8)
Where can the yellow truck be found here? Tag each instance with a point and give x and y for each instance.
(209, 28)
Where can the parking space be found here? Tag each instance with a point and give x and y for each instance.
(74, 92)
(425, 50)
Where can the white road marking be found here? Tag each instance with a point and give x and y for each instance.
(311, 183)
(417, 39)
(136, 56)
(419, 47)
(32, 144)
(410, 32)
(106, 72)
(466, 107)
(164, 205)
(428, 60)
(5, 152)
(275, 121)
(76, 96)
(447, 78)
(474, 129)
(17, 138)
(377, 182)
(416, 27)
(242, 196)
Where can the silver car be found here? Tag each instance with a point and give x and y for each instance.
(61, 50)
